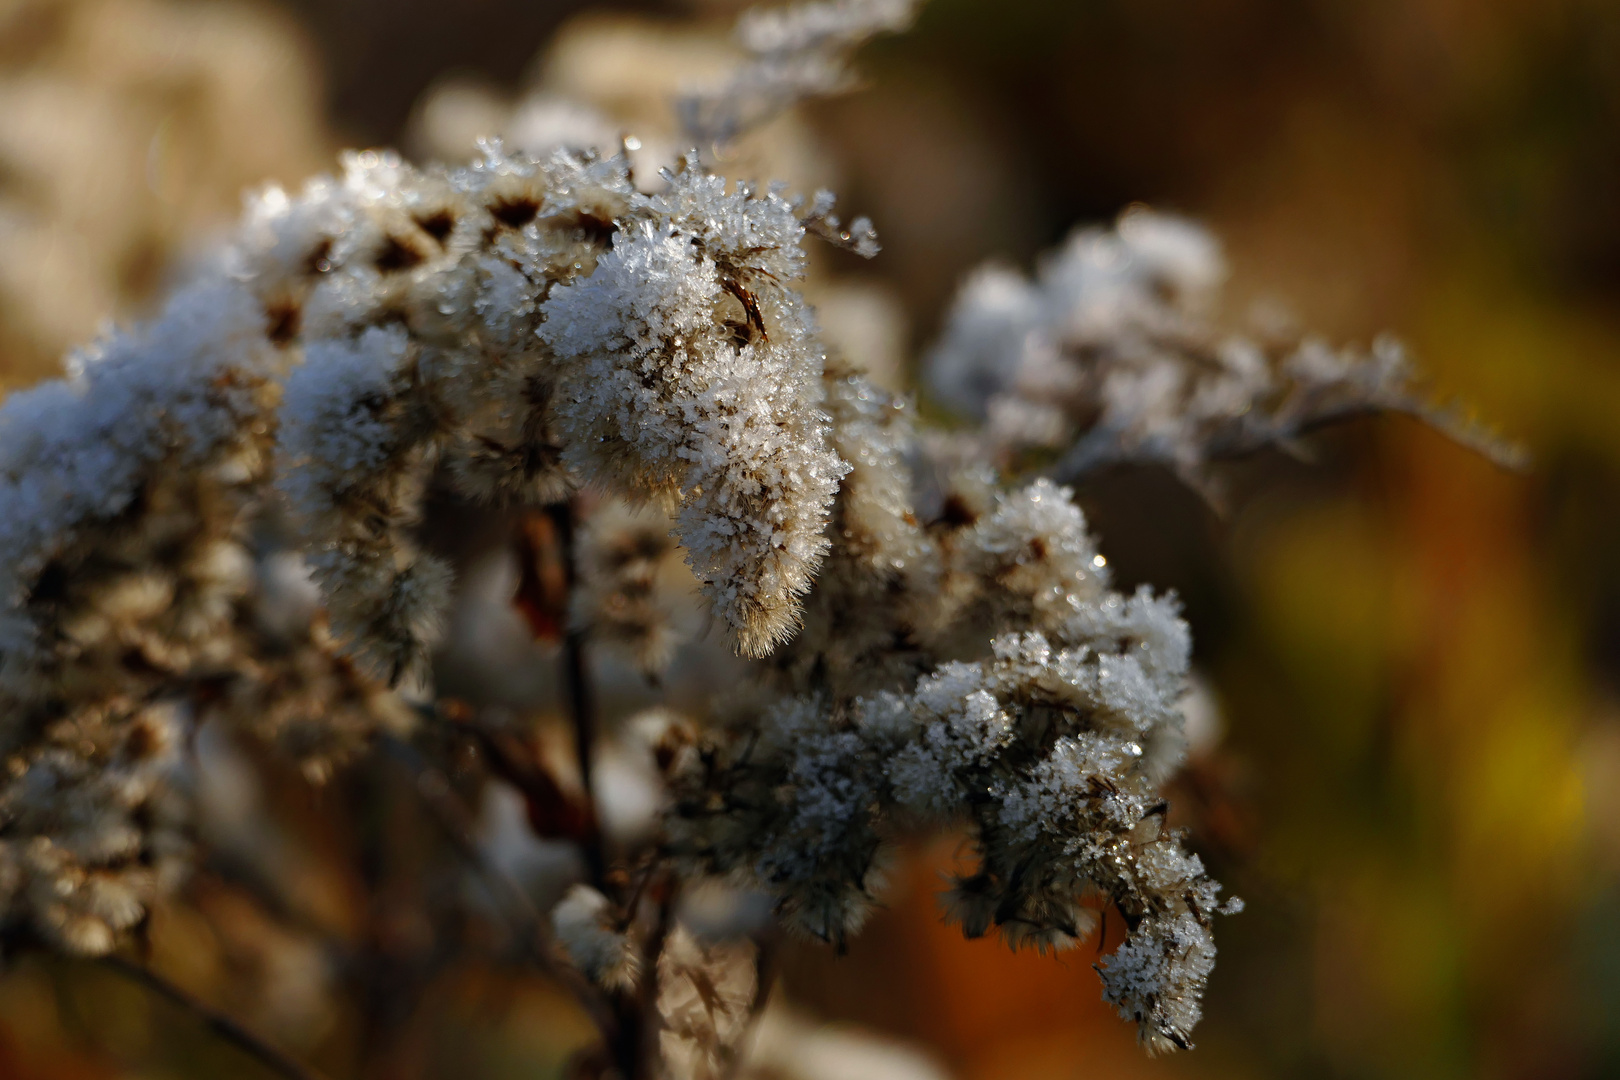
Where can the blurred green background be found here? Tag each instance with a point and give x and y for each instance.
(1417, 656)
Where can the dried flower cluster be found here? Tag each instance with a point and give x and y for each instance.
(1115, 353)
(692, 376)
(1046, 730)
(377, 329)
(219, 517)
(121, 500)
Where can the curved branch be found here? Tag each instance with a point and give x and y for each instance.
(224, 1026)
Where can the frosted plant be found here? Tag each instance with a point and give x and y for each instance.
(692, 376)
(796, 52)
(1115, 353)
(245, 520)
(585, 925)
(405, 322)
(1049, 746)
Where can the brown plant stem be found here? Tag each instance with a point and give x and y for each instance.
(633, 1045)
(636, 1053)
(546, 543)
(217, 1022)
(581, 698)
(527, 923)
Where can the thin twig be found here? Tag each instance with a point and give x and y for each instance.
(632, 1043)
(217, 1022)
(581, 700)
(648, 868)
(529, 927)
(629, 1026)
(637, 1052)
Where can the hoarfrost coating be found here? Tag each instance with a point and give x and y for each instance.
(357, 339)
(246, 518)
(516, 328)
(1048, 742)
(1116, 353)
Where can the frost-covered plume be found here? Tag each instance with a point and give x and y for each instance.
(795, 52)
(1047, 738)
(358, 340)
(415, 299)
(121, 489)
(532, 324)
(151, 442)
(880, 563)
(692, 375)
(1116, 353)
(595, 940)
